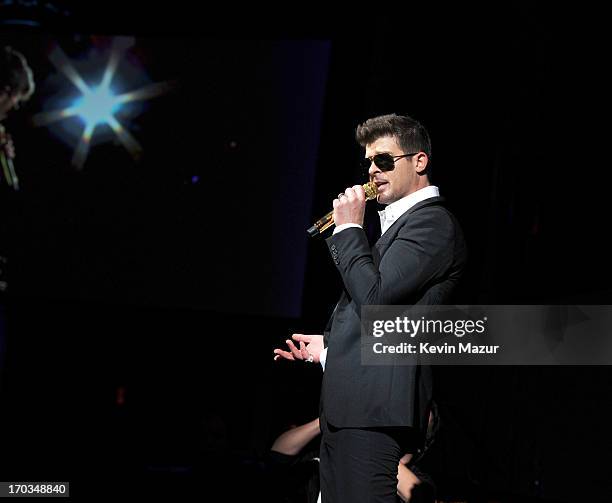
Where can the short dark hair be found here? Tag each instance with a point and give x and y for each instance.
(15, 73)
(409, 133)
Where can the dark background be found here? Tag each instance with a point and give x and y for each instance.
(143, 308)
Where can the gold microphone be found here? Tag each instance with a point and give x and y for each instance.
(328, 220)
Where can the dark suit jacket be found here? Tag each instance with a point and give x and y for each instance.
(418, 260)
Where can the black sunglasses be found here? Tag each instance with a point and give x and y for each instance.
(385, 162)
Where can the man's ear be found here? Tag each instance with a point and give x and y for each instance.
(421, 162)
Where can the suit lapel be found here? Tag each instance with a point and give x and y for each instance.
(388, 237)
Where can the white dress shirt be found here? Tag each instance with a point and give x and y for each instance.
(393, 211)
(388, 216)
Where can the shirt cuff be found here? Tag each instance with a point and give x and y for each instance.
(340, 228)
(323, 357)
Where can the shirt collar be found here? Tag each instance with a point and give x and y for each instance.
(397, 208)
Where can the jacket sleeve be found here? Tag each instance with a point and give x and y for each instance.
(421, 252)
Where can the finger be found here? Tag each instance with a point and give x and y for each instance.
(350, 194)
(301, 337)
(405, 458)
(280, 357)
(335, 203)
(359, 192)
(353, 195)
(304, 351)
(283, 354)
(294, 351)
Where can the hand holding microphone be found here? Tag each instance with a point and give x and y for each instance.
(349, 207)
(7, 153)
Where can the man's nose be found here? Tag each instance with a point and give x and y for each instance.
(373, 169)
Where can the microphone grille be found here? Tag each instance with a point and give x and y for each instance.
(370, 190)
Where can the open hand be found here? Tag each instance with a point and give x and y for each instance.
(308, 349)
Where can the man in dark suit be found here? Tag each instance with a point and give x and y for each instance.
(372, 415)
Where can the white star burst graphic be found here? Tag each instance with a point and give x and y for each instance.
(98, 105)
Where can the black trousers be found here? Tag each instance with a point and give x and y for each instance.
(360, 465)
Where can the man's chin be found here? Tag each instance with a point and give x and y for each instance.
(384, 194)
(384, 199)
